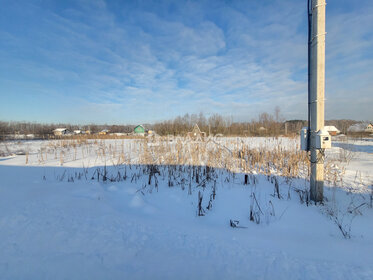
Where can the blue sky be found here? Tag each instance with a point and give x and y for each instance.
(144, 61)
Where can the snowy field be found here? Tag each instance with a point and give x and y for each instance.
(162, 209)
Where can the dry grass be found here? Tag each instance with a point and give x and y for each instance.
(236, 157)
(229, 154)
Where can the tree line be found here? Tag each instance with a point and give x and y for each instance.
(265, 124)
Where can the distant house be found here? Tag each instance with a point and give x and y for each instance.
(139, 130)
(61, 132)
(361, 127)
(104, 132)
(196, 133)
(77, 131)
(369, 128)
(332, 130)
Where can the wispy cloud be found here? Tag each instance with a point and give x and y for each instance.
(144, 61)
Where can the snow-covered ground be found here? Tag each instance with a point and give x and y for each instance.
(75, 212)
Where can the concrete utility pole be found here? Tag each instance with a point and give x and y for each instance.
(317, 93)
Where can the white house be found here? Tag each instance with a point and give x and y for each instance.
(332, 130)
(61, 131)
